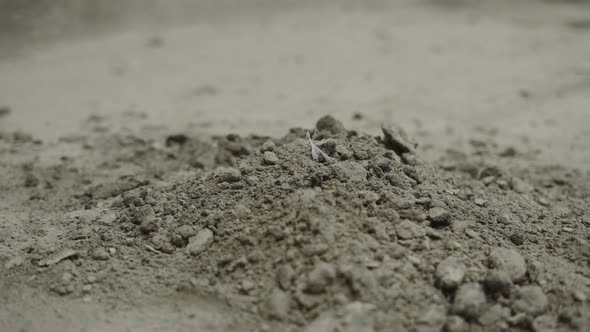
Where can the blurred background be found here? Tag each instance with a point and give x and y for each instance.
(446, 70)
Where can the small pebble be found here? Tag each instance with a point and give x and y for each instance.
(498, 282)
(276, 305)
(100, 254)
(408, 230)
(450, 273)
(530, 300)
(229, 174)
(268, 146)
(14, 262)
(199, 242)
(495, 316)
(469, 301)
(480, 202)
(439, 216)
(544, 323)
(508, 260)
(455, 324)
(270, 158)
(319, 278)
(285, 275)
(471, 233)
(517, 239)
(329, 124)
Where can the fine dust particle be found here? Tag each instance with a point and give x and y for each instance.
(58, 257)
(508, 260)
(199, 242)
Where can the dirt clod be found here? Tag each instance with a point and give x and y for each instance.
(508, 260)
(469, 301)
(450, 273)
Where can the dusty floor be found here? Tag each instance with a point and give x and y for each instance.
(478, 79)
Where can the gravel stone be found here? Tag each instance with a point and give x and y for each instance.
(199, 242)
(470, 301)
(530, 300)
(450, 273)
(508, 260)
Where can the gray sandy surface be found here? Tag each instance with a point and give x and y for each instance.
(497, 94)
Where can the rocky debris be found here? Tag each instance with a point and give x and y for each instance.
(498, 282)
(58, 257)
(305, 239)
(508, 260)
(450, 273)
(329, 124)
(200, 242)
(469, 301)
(439, 216)
(530, 300)
(229, 174)
(406, 230)
(270, 158)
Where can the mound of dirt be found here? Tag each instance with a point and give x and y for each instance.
(370, 238)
